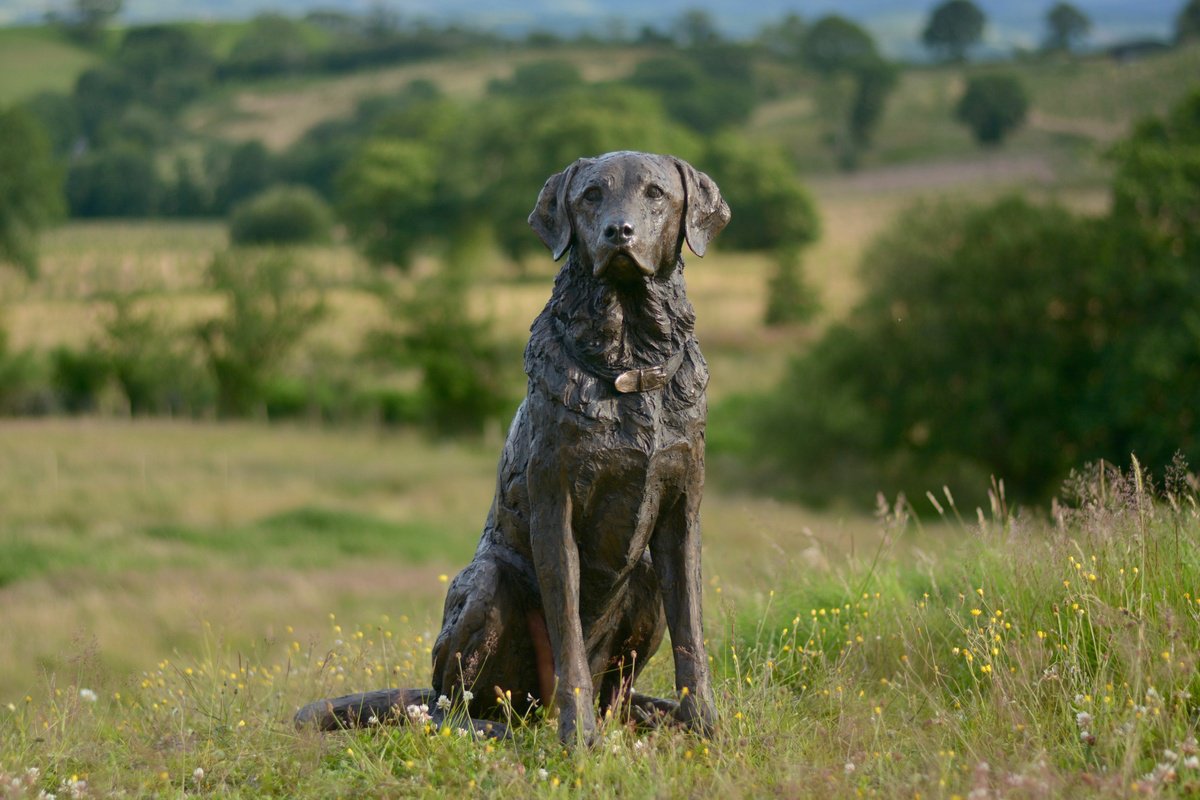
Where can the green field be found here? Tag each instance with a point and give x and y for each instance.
(171, 590)
(36, 60)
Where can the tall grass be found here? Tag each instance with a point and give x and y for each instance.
(1023, 657)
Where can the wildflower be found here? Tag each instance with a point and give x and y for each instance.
(1192, 762)
(542, 773)
(1083, 719)
(850, 767)
(443, 703)
(1087, 738)
(198, 775)
(467, 696)
(87, 695)
(418, 714)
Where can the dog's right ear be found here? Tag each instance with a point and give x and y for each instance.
(549, 218)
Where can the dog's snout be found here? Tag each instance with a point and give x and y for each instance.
(620, 232)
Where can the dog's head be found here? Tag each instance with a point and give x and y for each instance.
(628, 214)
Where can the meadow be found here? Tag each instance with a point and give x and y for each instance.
(171, 590)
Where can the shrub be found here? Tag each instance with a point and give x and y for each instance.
(281, 215)
(269, 306)
(993, 106)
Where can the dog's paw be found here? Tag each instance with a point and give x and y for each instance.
(578, 731)
(698, 714)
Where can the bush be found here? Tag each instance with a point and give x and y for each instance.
(281, 215)
(269, 306)
(993, 106)
(1012, 339)
(463, 367)
(967, 350)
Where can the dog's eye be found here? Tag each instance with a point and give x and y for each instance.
(654, 192)
(593, 194)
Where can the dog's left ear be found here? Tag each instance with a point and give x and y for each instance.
(705, 211)
(549, 218)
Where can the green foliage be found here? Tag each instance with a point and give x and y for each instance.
(790, 298)
(540, 78)
(772, 210)
(120, 181)
(269, 307)
(953, 28)
(19, 379)
(272, 44)
(87, 19)
(993, 106)
(1187, 24)
(281, 215)
(249, 170)
(856, 84)
(835, 44)
(1012, 339)
(169, 63)
(150, 364)
(463, 368)
(1066, 27)
(78, 378)
(59, 119)
(386, 194)
(30, 188)
(706, 91)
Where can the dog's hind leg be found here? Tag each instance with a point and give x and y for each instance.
(485, 654)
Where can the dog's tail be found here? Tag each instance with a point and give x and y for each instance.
(389, 706)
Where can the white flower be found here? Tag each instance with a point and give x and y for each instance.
(1170, 755)
(87, 695)
(467, 696)
(198, 775)
(372, 720)
(542, 774)
(849, 768)
(1192, 762)
(443, 703)
(418, 714)
(1083, 719)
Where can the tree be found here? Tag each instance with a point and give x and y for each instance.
(87, 19)
(1066, 27)
(696, 29)
(1187, 24)
(786, 38)
(953, 28)
(857, 82)
(250, 170)
(993, 106)
(30, 188)
(281, 215)
(387, 193)
(835, 44)
(268, 308)
(120, 181)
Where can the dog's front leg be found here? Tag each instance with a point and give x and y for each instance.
(556, 561)
(675, 549)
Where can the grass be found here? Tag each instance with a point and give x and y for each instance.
(1031, 657)
(38, 59)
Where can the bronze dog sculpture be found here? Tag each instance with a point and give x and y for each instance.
(592, 545)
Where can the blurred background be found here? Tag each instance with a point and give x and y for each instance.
(265, 278)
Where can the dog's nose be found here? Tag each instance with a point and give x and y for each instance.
(618, 232)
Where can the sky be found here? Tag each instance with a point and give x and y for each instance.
(896, 23)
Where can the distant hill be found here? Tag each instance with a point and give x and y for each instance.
(897, 23)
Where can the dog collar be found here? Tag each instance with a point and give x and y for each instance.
(647, 379)
(627, 381)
